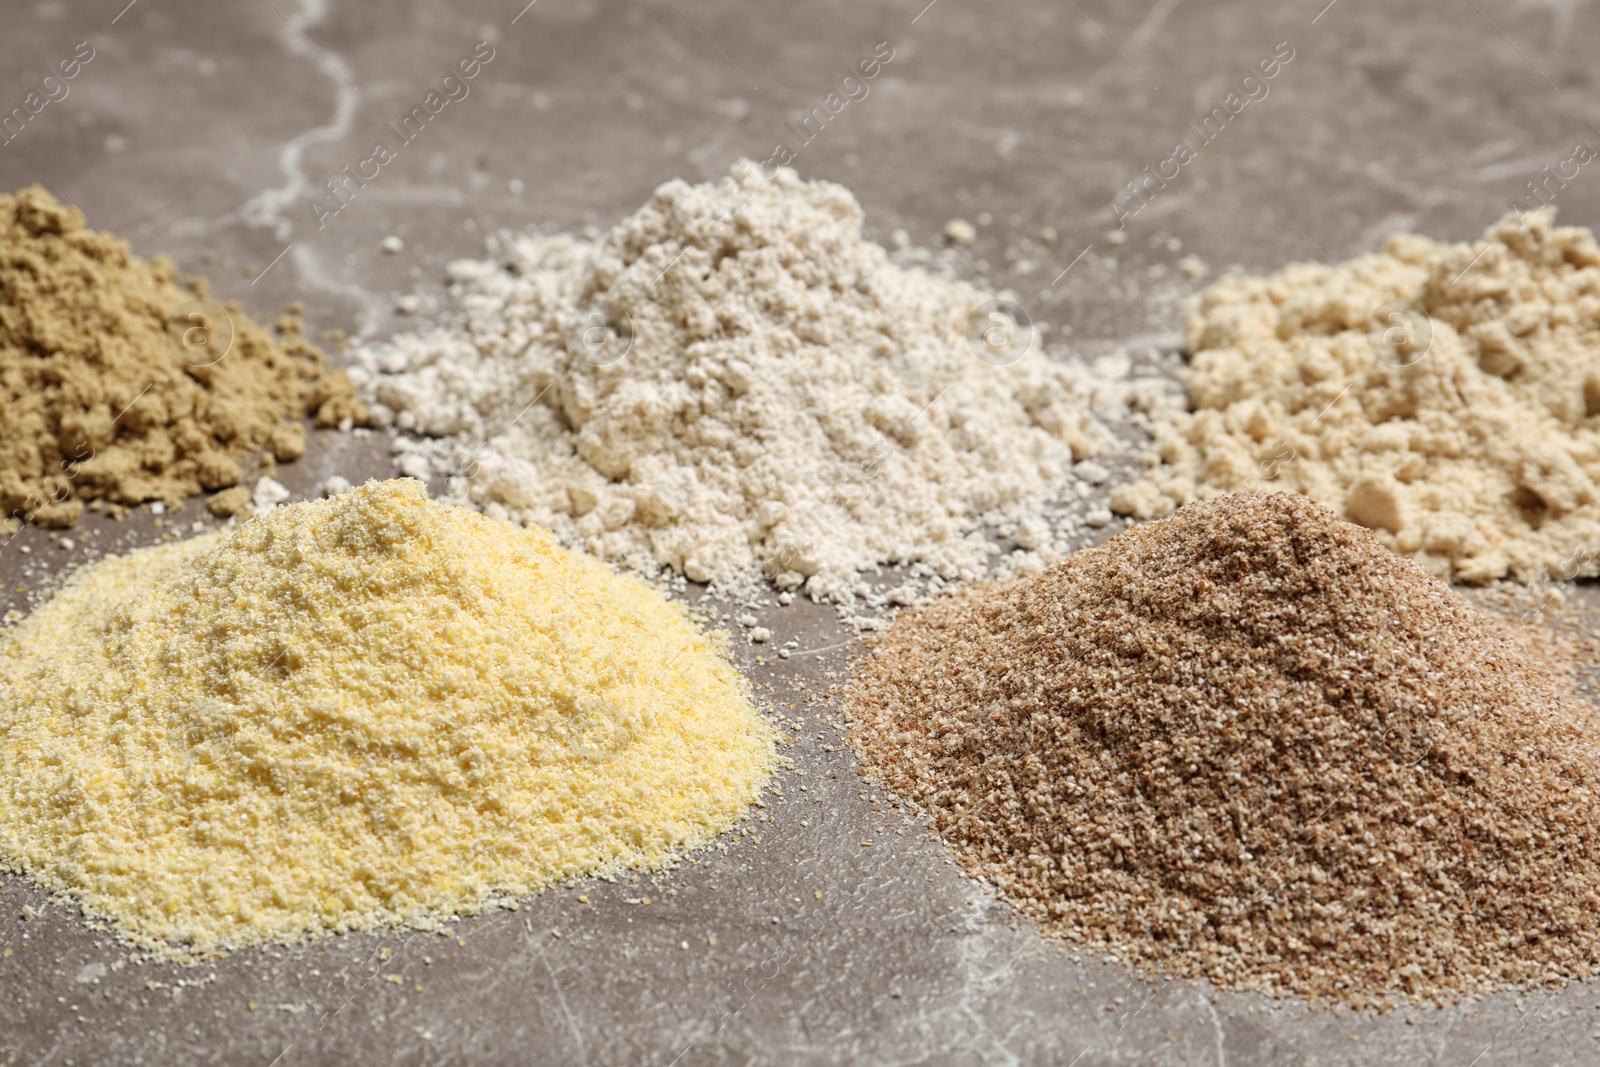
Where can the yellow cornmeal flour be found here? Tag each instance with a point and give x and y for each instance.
(370, 709)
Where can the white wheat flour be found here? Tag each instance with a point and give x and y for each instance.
(790, 402)
(1475, 450)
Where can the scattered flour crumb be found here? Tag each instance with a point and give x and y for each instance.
(960, 231)
(268, 494)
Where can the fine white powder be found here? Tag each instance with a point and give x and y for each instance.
(733, 383)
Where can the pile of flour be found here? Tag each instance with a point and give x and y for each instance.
(733, 384)
(1446, 396)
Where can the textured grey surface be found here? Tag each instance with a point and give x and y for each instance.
(206, 130)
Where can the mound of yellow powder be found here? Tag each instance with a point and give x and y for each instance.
(370, 709)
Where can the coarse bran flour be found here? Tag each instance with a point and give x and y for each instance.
(1250, 743)
(1446, 396)
(732, 382)
(370, 709)
(118, 383)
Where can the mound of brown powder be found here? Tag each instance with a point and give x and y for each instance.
(118, 383)
(1250, 743)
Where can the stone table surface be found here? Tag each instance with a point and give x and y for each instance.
(210, 131)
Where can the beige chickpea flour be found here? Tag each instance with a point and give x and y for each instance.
(1446, 396)
(369, 709)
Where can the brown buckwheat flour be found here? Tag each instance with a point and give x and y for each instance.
(1447, 396)
(1250, 743)
(110, 390)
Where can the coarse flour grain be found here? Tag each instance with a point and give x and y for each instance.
(1248, 742)
(733, 383)
(362, 711)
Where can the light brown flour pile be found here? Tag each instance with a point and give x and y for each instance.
(734, 384)
(369, 709)
(110, 390)
(1444, 395)
(1249, 742)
